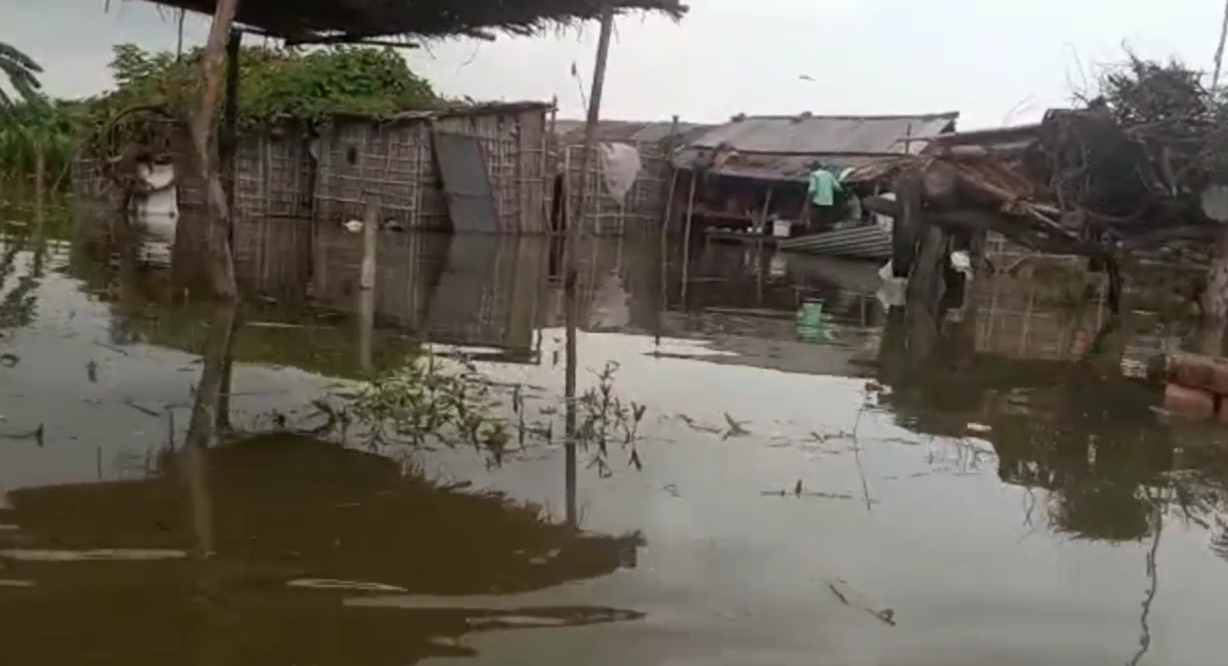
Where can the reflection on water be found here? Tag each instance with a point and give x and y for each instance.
(811, 489)
(298, 527)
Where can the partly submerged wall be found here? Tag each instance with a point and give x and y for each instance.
(492, 154)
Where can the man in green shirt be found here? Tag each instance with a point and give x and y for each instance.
(823, 187)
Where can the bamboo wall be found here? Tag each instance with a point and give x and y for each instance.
(394, 163)
(273, 174)
(1016, 318)
(643, 208)
(277, 174)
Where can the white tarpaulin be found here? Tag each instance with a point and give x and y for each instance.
(891, 293)
(157, 212)
(620, 165)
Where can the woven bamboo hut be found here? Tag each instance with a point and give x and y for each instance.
(607, 211)
(472, 169)
(272, 173)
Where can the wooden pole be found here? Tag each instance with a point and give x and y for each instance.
(569, 263)
(228, 148)
(202, 431)
(686, 236)
(221, 263)
(666, 214)
(366, 284)
(1219, 49)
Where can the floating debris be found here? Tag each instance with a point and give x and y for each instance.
(336, 584)
(851, 597)
(101, 554)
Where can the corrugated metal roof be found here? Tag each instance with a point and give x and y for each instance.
(571, 132)
(997, 139)
(778, 167)
(793, 142)
(824, 134)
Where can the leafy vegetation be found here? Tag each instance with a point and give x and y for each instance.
(277, 84)
(22, 73)
(39, 133)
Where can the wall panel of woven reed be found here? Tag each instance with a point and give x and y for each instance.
(641, 210)
(384, 161)
(273, 256)
(513, 145)
(394, 163)
(273, 175)
(1028, 319)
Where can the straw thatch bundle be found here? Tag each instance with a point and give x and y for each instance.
(348, 20)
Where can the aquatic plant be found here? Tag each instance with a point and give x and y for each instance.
(434, 399)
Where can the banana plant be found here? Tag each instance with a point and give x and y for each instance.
(22, 73)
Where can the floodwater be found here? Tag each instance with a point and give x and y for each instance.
(801, 488)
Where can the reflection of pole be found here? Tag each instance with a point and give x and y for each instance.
(201, 502)
(1153, 584)
(366, 286)
(666, 221)
(570, 270)
(686, 238)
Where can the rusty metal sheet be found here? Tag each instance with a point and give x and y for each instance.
(782, 147)
(870, 241)
(466, 183)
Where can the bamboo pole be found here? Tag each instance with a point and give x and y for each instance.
(202, 431)
(221, 262)
(666, 215)
(686, 236)
(1219, 49)
(366, 284)
(569, 280)
(228, 149)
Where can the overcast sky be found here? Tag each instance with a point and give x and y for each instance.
(995, 61)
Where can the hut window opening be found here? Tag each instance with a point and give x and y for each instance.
(351, 155)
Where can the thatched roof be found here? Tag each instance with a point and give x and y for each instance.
(350, 20)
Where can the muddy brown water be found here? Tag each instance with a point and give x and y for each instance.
(802, 500)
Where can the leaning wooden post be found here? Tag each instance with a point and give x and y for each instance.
(221, 263)
(202, 430)
(925, 281)
(569, 263)
(366, 284)
(228, 149)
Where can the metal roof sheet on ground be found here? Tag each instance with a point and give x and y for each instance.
(792, 142)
